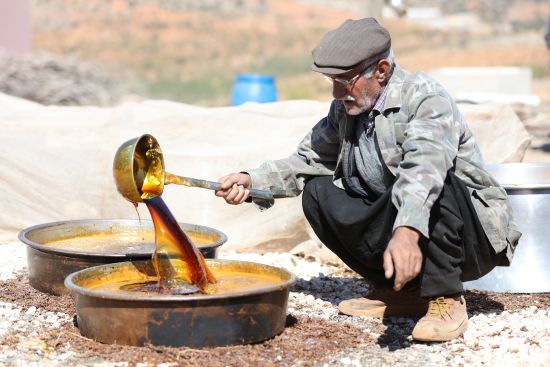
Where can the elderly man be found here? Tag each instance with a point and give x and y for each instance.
(393, 183)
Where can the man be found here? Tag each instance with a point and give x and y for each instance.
(394, 184)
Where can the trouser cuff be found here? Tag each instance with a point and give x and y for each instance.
(435, 285)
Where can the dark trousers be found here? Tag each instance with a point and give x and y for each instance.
(358, 231)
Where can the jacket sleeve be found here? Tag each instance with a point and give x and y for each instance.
(429, 150)
(316, 155)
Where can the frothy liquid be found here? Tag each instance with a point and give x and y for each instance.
(127, 241)
(243, 277)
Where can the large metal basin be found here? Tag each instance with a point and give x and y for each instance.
(245, 312)
(528, 187)
(55, 250)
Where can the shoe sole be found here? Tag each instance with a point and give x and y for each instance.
(446, 336)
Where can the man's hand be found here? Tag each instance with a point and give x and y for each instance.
(403, 256)
(233, 188)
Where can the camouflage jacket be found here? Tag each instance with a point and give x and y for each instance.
(421, 135)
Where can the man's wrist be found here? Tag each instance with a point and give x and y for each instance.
(247, 178)
(409, 232)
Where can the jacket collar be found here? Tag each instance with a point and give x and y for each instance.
(393, 94)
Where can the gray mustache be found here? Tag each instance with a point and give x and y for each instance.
(347, 97)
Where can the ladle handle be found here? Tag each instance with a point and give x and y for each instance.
(211, 185)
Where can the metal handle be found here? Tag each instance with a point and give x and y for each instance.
(211, 185)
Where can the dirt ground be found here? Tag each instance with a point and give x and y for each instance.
(305, 341)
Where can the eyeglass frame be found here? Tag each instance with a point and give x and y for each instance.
(348, 82)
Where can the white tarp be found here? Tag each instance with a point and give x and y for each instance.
(56, 162)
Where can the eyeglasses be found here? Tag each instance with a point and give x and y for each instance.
(345, 82)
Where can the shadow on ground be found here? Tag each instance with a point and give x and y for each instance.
(332, 289)
(481, 303)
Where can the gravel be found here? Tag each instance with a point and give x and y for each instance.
(13, 259)
(504, 329)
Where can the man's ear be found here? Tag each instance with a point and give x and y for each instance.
(383, 71)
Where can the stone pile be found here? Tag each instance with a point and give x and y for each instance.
(54, 80)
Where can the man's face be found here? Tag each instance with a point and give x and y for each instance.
(359, 94)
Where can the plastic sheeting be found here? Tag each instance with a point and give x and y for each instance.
(56, 162)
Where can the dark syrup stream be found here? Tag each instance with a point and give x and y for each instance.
(172, 242)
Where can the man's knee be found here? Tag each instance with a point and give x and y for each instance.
(311, 194)
(314, 186)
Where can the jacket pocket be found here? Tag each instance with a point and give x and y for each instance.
(494, 213)
(490, 195)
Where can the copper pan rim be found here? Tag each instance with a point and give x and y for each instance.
(24, 234)
(72, 279)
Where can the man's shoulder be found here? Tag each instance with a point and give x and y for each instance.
(406, 87)
(421, 81)
(414, 87)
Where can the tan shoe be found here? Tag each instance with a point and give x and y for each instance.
(446, 319)
(386, 303)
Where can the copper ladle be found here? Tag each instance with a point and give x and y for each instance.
(138, 167)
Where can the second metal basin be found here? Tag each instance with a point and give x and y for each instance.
(528, 187)
(55, 250)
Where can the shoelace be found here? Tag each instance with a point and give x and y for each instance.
(438, 307)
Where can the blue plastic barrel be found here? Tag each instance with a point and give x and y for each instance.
(253, 88)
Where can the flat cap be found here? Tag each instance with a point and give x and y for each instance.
(355, 42)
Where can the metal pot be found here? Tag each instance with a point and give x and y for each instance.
(55, 250)
(196, 321)
(528, 189)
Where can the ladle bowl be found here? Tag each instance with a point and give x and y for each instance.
(248, 313)
(130, 166)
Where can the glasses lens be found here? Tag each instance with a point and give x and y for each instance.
(328, 79)
(343, 82)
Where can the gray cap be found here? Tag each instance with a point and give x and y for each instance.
(355, 42)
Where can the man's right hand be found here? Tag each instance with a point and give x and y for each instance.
(403, 257)
(234, 188)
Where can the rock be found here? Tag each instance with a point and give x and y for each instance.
(314, 249)
(31, 311)
(501, 135)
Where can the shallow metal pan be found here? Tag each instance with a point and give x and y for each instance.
(195, 321)
(57, 249)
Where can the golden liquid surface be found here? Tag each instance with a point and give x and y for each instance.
(154, 178)
(130, 242)
(230, 279)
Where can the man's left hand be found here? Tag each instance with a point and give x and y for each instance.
(403, 256)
